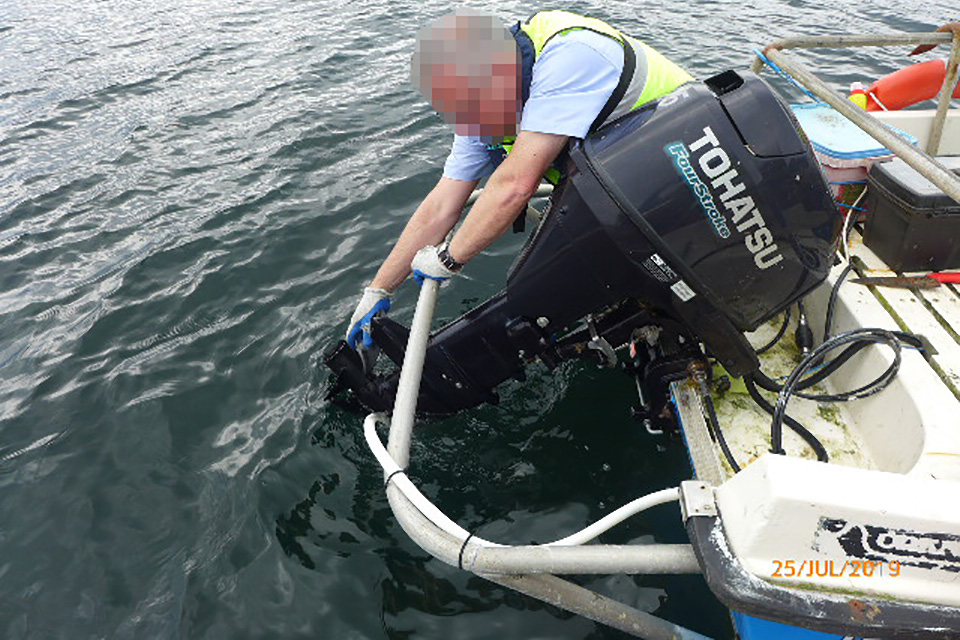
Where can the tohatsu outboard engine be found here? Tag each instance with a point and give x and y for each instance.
(678, 227)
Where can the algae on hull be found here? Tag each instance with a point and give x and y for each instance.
(746, 427)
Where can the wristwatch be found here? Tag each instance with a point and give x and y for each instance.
(443, 254)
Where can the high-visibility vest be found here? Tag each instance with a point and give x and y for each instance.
(650, 75)
(653, 76)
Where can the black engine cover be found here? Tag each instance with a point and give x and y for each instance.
(708, 206)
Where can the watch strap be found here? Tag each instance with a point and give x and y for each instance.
(443, 253)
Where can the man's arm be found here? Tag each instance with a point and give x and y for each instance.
(430, 224)
(506, 194)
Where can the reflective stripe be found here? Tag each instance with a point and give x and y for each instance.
(637, 83)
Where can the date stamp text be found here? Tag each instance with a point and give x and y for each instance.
(830, 568)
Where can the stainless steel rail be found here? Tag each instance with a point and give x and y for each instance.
(927, 166)
(943, 100)
(543, 191)
(533, 213)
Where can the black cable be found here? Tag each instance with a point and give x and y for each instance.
(870, 336)
(715, 425)
(832, 303)
(765, 382)
(797, 428)
(776, 338)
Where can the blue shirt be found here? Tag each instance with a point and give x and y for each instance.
(572, 80)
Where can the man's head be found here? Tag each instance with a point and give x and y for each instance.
(468, 67)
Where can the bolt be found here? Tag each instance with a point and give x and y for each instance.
(698, 370)
(542, 322)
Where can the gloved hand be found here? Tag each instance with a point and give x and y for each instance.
(427, 264)
(373, 302)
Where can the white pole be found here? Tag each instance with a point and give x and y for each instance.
(408, 388)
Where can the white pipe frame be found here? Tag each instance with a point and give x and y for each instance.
(525, 569)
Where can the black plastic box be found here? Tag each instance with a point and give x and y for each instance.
(911, 224)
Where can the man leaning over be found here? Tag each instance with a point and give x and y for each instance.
(556, 77)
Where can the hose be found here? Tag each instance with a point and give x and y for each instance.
(857, 337)
(765, 382)
(715, 427)
(396, 474)
(797, 428)
(832, 302)
(776, 338)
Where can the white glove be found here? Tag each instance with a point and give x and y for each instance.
(373, 302)
(427, 264)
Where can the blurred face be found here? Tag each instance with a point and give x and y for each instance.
(468, 67)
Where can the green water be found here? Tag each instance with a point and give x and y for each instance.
(192, 194)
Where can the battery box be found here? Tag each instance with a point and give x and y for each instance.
(911, 224)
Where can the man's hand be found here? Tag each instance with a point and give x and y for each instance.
(373, 302)
(950, 27)
(427, 264)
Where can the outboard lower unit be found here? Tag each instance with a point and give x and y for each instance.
(682, 224)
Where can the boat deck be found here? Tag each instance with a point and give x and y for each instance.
(911, 427)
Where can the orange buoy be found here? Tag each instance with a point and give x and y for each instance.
(908, 86)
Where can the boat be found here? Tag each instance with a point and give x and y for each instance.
(836, 516)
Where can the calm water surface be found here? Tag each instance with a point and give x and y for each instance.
(192, 193)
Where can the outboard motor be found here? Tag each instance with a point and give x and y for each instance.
(684, 223)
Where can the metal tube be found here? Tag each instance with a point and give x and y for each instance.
(670, 559)
(544, 587)
(594, 606)
(449, 548)
(549, 588)
(844, 41)
(543, 191)
(585, 559)
(591, 559)
(408, 387)
(946, 93)
(926, 166)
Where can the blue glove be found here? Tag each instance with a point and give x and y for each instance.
(426, 264)
(373, 302)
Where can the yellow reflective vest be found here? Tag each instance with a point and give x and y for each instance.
(651, 75)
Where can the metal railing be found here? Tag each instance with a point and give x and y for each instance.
(922, 162)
